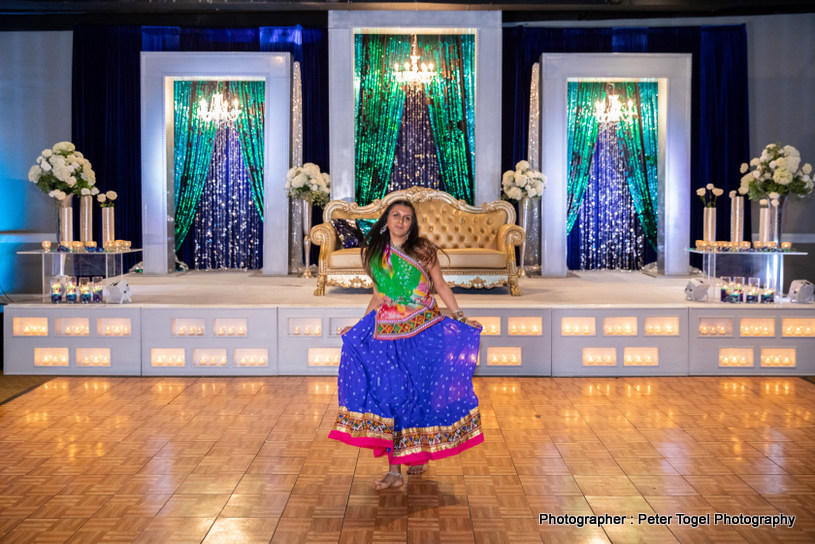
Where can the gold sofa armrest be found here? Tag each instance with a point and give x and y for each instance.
(324, 236)
(510, 236)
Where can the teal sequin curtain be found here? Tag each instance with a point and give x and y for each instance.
(638, 139)
(379, 105)
(249, 125)
(452, 109)
(193, 149)
(582, 139)
(379, 101)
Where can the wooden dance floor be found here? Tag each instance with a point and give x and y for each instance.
(238, 460)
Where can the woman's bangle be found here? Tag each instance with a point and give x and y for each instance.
(458, 315)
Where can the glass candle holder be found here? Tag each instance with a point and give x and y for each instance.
(767, 293)
(57, 289)
(98, 288)
(752, 291)
(70, 290)
(786, 246)
(737, 289)
(724, 289)
(46, 245)
(85, 294)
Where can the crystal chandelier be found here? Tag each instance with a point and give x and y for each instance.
(612, 111)
(218, 110)
(412, 72)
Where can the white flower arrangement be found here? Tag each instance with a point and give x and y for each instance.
(308, 183)
(106, 199)
(523, 182)
(62, 171)
(776, 171)
(709, 193)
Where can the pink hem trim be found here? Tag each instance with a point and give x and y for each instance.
(424, 456)
(361, 441)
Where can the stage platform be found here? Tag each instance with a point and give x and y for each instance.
(239, 323)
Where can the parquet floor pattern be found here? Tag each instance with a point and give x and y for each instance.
(176, 460)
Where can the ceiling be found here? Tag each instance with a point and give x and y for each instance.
(24, 14)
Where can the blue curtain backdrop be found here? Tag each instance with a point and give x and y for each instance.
(106, 98)
(719, 124)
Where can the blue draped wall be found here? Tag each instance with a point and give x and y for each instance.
(106, 98)
(719, 124)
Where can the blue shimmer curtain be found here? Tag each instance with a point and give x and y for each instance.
(719, 113)
(378, 102)
(106, 119)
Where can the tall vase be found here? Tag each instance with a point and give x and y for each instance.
(296, 236)
(307, 238)
(776, 221)
(108, 225)
(65, 220)
(529, 220)
(709, 229)
(737, 219)
(86, 218)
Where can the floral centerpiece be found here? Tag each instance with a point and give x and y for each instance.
(777, 171)
(709, 193)
(106, 200)
(62, 171)
(308, 183)
(523, 182)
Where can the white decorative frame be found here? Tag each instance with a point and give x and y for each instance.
(673, 74)
(486, 25)
(158, 72)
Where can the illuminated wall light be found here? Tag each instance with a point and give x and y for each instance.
(778, 357)
(577, 326)
(798, 327)
(662, 326)
(524, 326)
(735, 357)
(504, 356)
(641, 356)
(167, 357)
(599, 357)
(30, 326)
(762, 327)
(324, 356)
(250, 357)
(50, 356)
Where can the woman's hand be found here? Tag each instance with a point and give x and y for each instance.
(345, 329)
(473, 323)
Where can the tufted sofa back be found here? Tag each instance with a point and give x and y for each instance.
(446, 222)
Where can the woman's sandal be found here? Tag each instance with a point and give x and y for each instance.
(380, 485)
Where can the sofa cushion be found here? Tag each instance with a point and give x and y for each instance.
(455, 258)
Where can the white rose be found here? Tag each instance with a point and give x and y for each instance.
(754, 162)
(521, 180)
(53, 193)
(531, 192)
(709, 186)
(299, 180)
(743, 190)
(85, 191)
(807, 168)
(792, 163)
(763, 202)
(34, 173)
(774, 202)
(701, 191)
(718, 192)
(756, 174)
(508, 177)
(293, 171)
(732, 194)
(326, 179)
(773, 195)
(46, 153)
(46, 166)
(791, 151)
(782, 176)
(111, 195)
(95, 191)
(522, 165)
(101, 197)
(71, 181)
(744, 167)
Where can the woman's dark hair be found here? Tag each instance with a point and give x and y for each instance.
(418, 247)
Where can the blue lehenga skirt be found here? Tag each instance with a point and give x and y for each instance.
(411, 399)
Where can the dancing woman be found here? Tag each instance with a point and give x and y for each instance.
(405, 377)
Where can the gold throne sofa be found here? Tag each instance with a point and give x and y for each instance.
(479, 241)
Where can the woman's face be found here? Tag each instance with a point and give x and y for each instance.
(400, 219)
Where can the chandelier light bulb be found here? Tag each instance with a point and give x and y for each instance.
(217, 111)
(414, 72)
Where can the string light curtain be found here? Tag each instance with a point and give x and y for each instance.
(251, 97)
(416, 162)
(638, 139)
(193, 150)
(582, 140)
(452, 110)
(379, 101)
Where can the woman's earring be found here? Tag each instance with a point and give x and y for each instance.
(383, 229)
